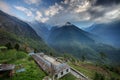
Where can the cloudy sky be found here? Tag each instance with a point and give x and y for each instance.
(57, 12)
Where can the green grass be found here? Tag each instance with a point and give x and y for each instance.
(113, 74)
(10, 56)
(33, 72)
(86, 72)
(68, 77)
(22, 60)
(1, 47)
(91, 73)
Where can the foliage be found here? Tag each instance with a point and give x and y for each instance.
(99, 76)
(21, 60)
(68, 77)
(69, 57)
(11, 55)
(9, 45)
(3, 47)
(33, 72)
(83, 58)
(103, 55)
(94, 72)
(9, 40)
(17, 46)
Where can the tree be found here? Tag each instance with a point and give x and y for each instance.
(17, 46)
(83, 58)
(96, 76)
(51, 54)
(9, 45)
(102, 77)
(35, 50)
(99, 76)
(103, 55)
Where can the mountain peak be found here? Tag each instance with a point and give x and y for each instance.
(68, 23)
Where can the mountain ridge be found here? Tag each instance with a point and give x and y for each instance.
(16, 31)
(109, 32)
(73, 40)
(69, 37)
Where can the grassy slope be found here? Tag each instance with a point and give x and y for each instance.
(68, 77)
(22, 60)
(89, 69)
(6, 37)
(33, 72)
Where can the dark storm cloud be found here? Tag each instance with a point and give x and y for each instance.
(107, 2)
(98, 11)
(95, 13)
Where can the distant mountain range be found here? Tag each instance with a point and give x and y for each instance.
(109, 32)
(16, 31)
(41, 29)
(64, 39)
(70, 39)
(13, 25)
(69, 32)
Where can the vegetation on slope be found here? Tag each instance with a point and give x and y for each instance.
(7, 37)
(68, 77)
(21, 61)
(14, 30)
(94, 71)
